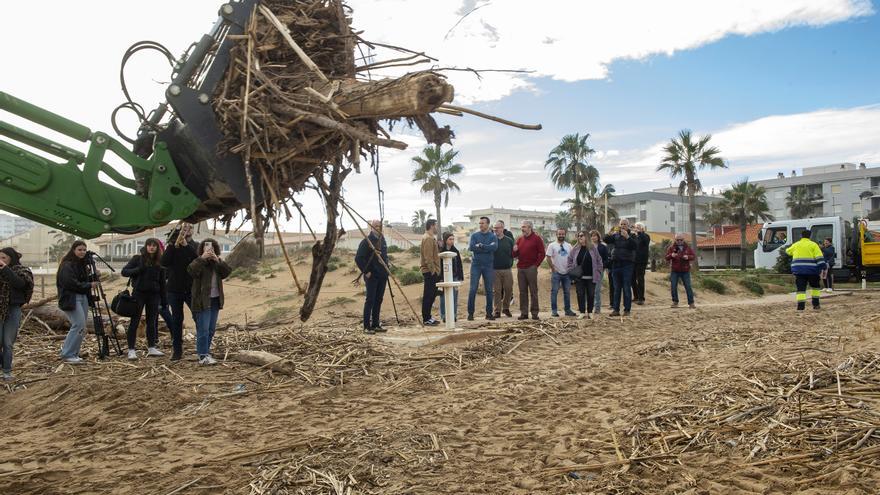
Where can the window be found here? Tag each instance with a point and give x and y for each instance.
(857, 207)
(835, 189)
(838, 209)
(779, 214)
(643, 203)
(796, 233)
(819, 232)
(643, 215)
(775, 237)
(672, 216)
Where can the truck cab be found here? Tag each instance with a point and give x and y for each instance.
(776, 236)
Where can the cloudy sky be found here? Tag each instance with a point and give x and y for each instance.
(780, 85)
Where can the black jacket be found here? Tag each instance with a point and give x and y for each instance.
(622, 250)
(72, 279)
(643, 251)
(145, 279)
(18, 286)
(603, 253)
(366, 260)
(457, 267)
(176, 260)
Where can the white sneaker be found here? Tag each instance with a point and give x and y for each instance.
(74, 360)
(207, 361)
(132, 355)
(830, 289)
(154, 352)
(590, 316)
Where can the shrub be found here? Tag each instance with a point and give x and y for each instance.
(339, 301)
(277, 312)
(713, 284)
(783, 262)
(752, 284)
(332, 267)
(410, 277)
(246, 274)
(334, 259)
(415, 250)
(246, 254)
(394, 249)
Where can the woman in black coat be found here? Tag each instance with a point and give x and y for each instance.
(148, 283)
(74, 296)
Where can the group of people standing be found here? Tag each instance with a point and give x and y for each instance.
(622, 254)
(163, 280)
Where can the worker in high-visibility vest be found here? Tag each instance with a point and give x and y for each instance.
(807, 262)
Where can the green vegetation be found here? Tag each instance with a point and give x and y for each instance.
(435, 170)
(416, 250)
(246, 274)
(783, 262)
(753, 285)
(394, 249)
(339, 301)
(713, 284)
(278, 312)
(280, 299)
(410, 277)
(245, 255)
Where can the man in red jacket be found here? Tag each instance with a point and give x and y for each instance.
(680, 257)
(530, 252)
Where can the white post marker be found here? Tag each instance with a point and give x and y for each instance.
(447, 283)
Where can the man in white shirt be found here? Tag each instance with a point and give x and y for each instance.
(557, 259)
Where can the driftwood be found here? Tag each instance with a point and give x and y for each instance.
(264, 360)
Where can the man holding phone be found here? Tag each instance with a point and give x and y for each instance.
(623, 257)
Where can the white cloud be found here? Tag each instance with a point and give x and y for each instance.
(763, 147)
(572, 40)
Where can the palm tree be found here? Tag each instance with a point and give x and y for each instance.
(569, 169)
(590, 202)
(563, 220)
(714, 215)
(435, 170)
(744, 204)
(800, 203)
(419, 218)
(683, 157)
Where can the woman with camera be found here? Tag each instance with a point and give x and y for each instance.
(148, 284)
(207, 272)
(179, 254)
(74, 286)
(16, 288)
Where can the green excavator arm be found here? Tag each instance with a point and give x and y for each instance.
(178, 170)
(68, 193)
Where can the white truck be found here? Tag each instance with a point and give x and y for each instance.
(774, 236)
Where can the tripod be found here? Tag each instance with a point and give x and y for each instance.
(98, 296)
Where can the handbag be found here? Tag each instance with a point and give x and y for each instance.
(576, 273)
(124, 303)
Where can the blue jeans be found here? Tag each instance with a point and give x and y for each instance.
(373, 300)
(488, 274)
(454, 304)
(555, 281)
(77, 317)
(622, 273)
(176, 300)
(206, 323)
(8, 332)
(685, 277)
(597, 302)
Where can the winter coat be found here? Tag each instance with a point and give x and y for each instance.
(72, 279)
(202, 271)
(643, 249)
(623, 250)
(678, 263)
(366, 259)
(806, 258)
(16, 287)
(145, 279)
(595, 270)
(603, 253)
(176, 260)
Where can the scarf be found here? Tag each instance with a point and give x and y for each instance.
(22, 272)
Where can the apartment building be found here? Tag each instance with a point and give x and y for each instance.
(843, 189)
(513, 218)
(662, 210)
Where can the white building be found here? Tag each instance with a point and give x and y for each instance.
(662, 210)
(513, 218)
(836, 190)
(11, 225)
